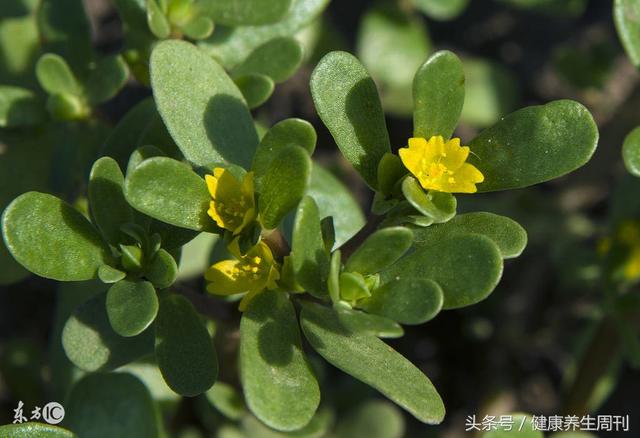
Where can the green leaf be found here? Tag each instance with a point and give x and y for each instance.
(65, 30)
(408, 300)
(112, 405)
(109, 209)
(361, 322)
(441, 9)
(162, 270)
(333, 280)
(347, 101)
(373, 419)
(67, 107)
(108, 274)
(388, 38)
(184, 349)
(232, 46)
(170, 191)
(91, 343)
(198, 28)
(308, 255)
(131, 306)
(626, 16)
(390, 170)
(467, 267)
(52, 239)
(352, 286)
(20, 107)
(439, 206)
(631, 152)
(334, 199)
(18, 55)
(140, 127)
(285, 133)
(106, 78)
(226, 399)
(491, 92)
(279, 385)
(533, 145)
(283, 184)
(248, 12)
(370, 360)
(34, 429)
(381, 249)
(522, 428)
(255, 88)
(141, 154)
(55, 75)
(510, 237)
(203, 109)
(157, 21)
(438, 95)
(278, 58)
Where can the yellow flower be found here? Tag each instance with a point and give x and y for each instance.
(233, 206)
(441, 165)
(251, 273)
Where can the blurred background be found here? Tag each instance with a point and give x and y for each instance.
(538, 344)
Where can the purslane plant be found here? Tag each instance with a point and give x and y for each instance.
(421, 259)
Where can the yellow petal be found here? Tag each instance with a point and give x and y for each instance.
(227, 278)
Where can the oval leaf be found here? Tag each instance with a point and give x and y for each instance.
(203, 109)
(231, 48)
(283, 184)
(438, 95)
(308, 254)
(279, 385)
(390, 36)
(20, 107)
(52, 239)
(467, 268)
(169, 191)
(437, 206)
(347, 101)
(248, 12)
(91, 343)
(381, 249)
(334, 199)
(626, 15)
(370, 360)
(631, 152)
(33, 429)
(184, 349)
(408, 300)
(510, 237)
(361, 322)
(55, 75)
(287, 132)
(255, 88)
(131, 306)
(108, 207)
(533, 145)
(162, 270)
(278, 59)
(112, 405)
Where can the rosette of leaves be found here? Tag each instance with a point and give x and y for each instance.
(253, 40)
(345, 292)
(135, 255)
